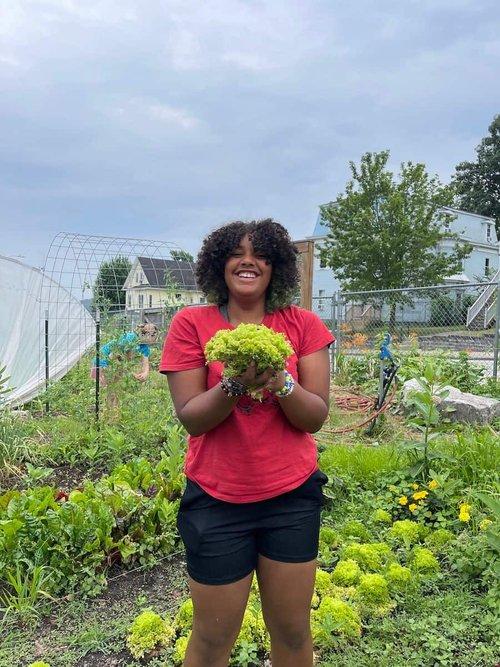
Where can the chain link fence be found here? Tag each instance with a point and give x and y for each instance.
(453, 318)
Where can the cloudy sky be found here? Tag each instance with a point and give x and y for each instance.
(164, 118)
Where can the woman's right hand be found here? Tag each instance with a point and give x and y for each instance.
(250, 378)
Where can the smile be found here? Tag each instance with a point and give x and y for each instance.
(247, 275)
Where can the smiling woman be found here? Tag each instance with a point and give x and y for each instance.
(254, 491)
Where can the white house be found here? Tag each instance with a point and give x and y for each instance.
(154, 285)
(482, 263)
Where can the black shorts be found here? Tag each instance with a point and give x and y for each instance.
(223, 540)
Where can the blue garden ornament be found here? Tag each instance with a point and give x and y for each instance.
(385, 353)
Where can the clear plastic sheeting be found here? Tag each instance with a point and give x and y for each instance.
(26, 294)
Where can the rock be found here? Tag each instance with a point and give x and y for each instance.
(460, 406)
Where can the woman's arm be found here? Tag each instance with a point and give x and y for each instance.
(142, 375)
(307, 406)
(200, 410)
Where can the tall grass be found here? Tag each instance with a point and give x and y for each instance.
(475, 456)
(364, 465)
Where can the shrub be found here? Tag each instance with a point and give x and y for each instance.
(184, 617)
(146, 632)
(346, 573)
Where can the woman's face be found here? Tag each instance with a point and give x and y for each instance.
(247, 273)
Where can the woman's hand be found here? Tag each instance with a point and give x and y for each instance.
(251, 380)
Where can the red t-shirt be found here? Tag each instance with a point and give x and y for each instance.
(255, 453)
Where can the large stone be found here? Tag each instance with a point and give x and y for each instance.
(460, 406)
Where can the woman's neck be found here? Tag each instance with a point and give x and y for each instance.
(246, 313)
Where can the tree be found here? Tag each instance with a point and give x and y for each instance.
(478, 183)
(181, 256)
(108, 293)
(385, 234)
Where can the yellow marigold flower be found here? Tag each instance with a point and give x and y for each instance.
(420, 494)
(485, 523)
(412, 507)
(433, 485)
(414, 486)
(403, 500)
(464, 514)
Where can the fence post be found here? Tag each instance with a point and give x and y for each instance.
(333, 320)
(97, 361)
(47, 371)
(338, 323)
(496, 343)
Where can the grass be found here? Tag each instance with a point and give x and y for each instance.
(447, 623)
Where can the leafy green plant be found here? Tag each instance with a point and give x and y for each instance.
(427, 421)
(248, 343)
(147, 631)
(24, 589)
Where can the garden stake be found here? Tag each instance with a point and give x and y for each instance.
(97, 353)
(46, 359)
(387, 375)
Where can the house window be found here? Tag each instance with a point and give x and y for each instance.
(202, 299)
(321, 293)
(178, 297)
(486, 266)
(322, 262)
(129, 300)
(141, 300)
(150, 301)
(488, 233)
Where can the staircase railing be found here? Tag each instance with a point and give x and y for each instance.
(482, 299)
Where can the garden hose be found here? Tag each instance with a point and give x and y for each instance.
(354, 402)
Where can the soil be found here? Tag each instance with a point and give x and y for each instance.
(164, 587)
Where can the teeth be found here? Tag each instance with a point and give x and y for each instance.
(247, 274)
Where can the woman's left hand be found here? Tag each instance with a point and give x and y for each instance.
(276, 382)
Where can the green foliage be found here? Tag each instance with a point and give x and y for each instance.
(25, 590)
(146, 632)
(426, 420)
(371, 557)
(357, 529)
(346, 573)
(184, 617)
(334, 619)
(181, 256)
(448, 310)
(473, 456)
(476, 183)
(39, 663)
(398, 577)
(127, 516)
(360, 464)
(373, 589)
(323, 582)
(238, 348)
(405, 531)
(381, 516)
(424, 562)
(438, 539)
(378, 220)
(180, 648)
(108, 293)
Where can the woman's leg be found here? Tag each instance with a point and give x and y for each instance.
(218, 612)
(286, 590)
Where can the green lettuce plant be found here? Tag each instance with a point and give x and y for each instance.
(238, 348)
(147, 631)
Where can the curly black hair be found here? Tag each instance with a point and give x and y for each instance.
(267, 237)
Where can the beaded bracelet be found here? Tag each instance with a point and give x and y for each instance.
(232, 387)
(287, 389)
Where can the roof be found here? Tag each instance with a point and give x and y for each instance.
(157, 270)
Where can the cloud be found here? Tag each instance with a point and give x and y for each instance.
(169, 117)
